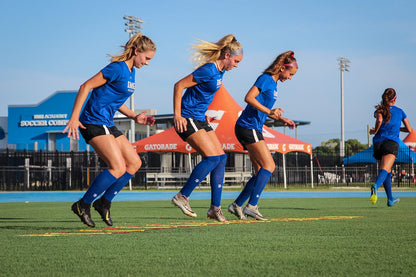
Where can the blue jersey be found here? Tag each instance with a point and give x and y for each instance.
(105, 100)
(251, 118)
(196, 99)
(391, 130)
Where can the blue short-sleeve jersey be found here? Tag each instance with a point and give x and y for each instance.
(251, 118)
(105, 100)
(196, 99)
(391, 129)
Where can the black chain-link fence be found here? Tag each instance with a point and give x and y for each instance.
(48, 171)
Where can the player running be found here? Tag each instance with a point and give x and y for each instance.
(111, 87)
(248, 130)
(386, 142)
(212, 59)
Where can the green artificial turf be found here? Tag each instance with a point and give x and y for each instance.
(153, 238)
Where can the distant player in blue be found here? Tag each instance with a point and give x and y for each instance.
(389, 119)
(111, 87)
(249, 127)
(212, 59)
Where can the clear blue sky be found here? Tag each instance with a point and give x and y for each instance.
(49, 46)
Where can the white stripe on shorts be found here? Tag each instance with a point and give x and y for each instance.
(255, 135)
(107, 132)
(193, 124)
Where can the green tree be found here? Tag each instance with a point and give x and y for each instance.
(327, 148)
(353, 146)
(331, 147)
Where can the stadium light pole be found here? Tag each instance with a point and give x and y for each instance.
(343, 66)
(133, 28)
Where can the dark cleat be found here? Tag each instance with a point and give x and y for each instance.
(102, 206)
(82, 210)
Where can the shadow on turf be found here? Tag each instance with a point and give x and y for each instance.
(28, 220)
(36, 228)
(17, 220)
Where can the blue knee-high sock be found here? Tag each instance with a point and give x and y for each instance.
(380, 178)
(115, 188)
(387, 186)
(199, 173)
(217, 181)
(246, 192)
(98, 186)
(262, 178)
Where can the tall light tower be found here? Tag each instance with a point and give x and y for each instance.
(343, 66)
(133, 28)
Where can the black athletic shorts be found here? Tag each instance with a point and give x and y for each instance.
(385, 147)
(194, 126)
(247, 136)
(93, 131)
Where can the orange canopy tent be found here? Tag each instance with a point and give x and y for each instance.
(410, 140)
(224, 112)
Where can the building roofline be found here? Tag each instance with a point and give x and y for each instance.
(44, 100)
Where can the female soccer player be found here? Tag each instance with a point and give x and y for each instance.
(248, 130)
(110, 89)
(212, 60)
(386, 142)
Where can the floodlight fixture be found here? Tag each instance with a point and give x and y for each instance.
(343, 66)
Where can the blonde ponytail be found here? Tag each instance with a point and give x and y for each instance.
(140, 42)
(206, 52)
